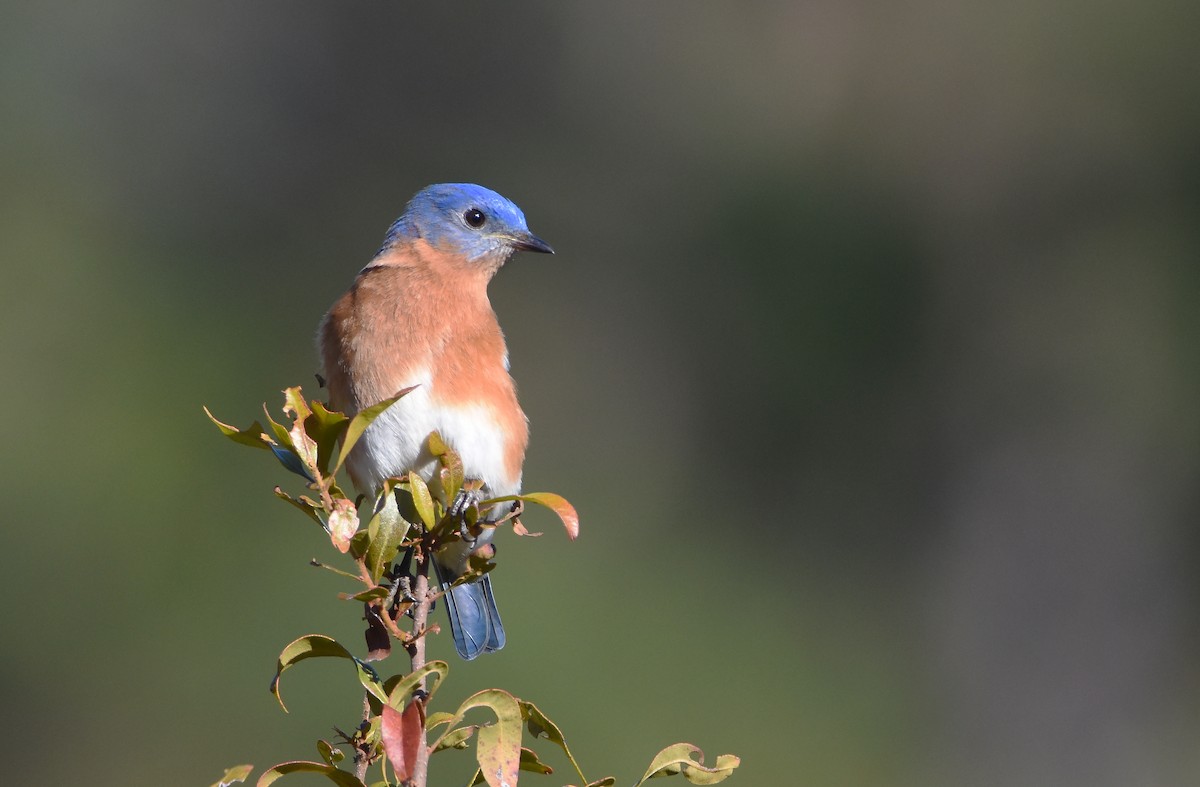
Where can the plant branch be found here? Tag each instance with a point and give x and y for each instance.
(416, 653)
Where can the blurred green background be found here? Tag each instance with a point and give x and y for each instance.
(869, 357)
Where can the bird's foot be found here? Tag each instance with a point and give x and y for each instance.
(464, 501)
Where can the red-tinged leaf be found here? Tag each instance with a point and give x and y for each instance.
(519, 529)
(556, 503)
(686, 759)
(238, 773)
(359, 423)
(559, 505)
(252, 436)
(343, 523)
(338, 777)
(403, 734)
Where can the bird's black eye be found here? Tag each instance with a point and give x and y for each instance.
(474, 218)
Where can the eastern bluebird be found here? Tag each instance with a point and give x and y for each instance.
(418, 315)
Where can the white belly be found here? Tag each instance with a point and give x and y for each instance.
(398, 442)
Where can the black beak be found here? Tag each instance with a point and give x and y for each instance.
(527, 241)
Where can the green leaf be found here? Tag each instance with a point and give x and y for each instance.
(451, 473)
(436, 719)
(531, 763)
(386, 530)
(321, 646)
(282, 437)
(679, 759)
(422, 500)
(304, 504)
(238, 773)
(540, 726)
(457, 738)
(330, 753)
(370, 594)
(556, 503)
(334, 775)
(325, 427)
(360, 422)
(252, 436)
(398, 694)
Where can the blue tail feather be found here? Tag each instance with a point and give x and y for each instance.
(474, 619)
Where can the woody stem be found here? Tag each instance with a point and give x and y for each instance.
(416, 653)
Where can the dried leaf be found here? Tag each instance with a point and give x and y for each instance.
(343, 523)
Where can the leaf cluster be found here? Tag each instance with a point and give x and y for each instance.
(397, 731)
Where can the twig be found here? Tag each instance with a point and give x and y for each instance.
(416, 653)
(362, 749)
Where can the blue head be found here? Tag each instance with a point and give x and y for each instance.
(471, 220)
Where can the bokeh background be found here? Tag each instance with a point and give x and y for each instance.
(869, 357)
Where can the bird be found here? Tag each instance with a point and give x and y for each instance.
(419, 315)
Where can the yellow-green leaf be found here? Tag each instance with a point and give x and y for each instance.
(338, 777)
(498, 746)
(540, 726)
(679, 759)
(325, 427)
(386, 530)
(321, 646)
(457, 738)
(238, 773)
(398, 694)
(422, 500)
(359, 423)
(252, 435)
(330, 753)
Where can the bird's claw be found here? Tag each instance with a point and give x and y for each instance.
(464, 501)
